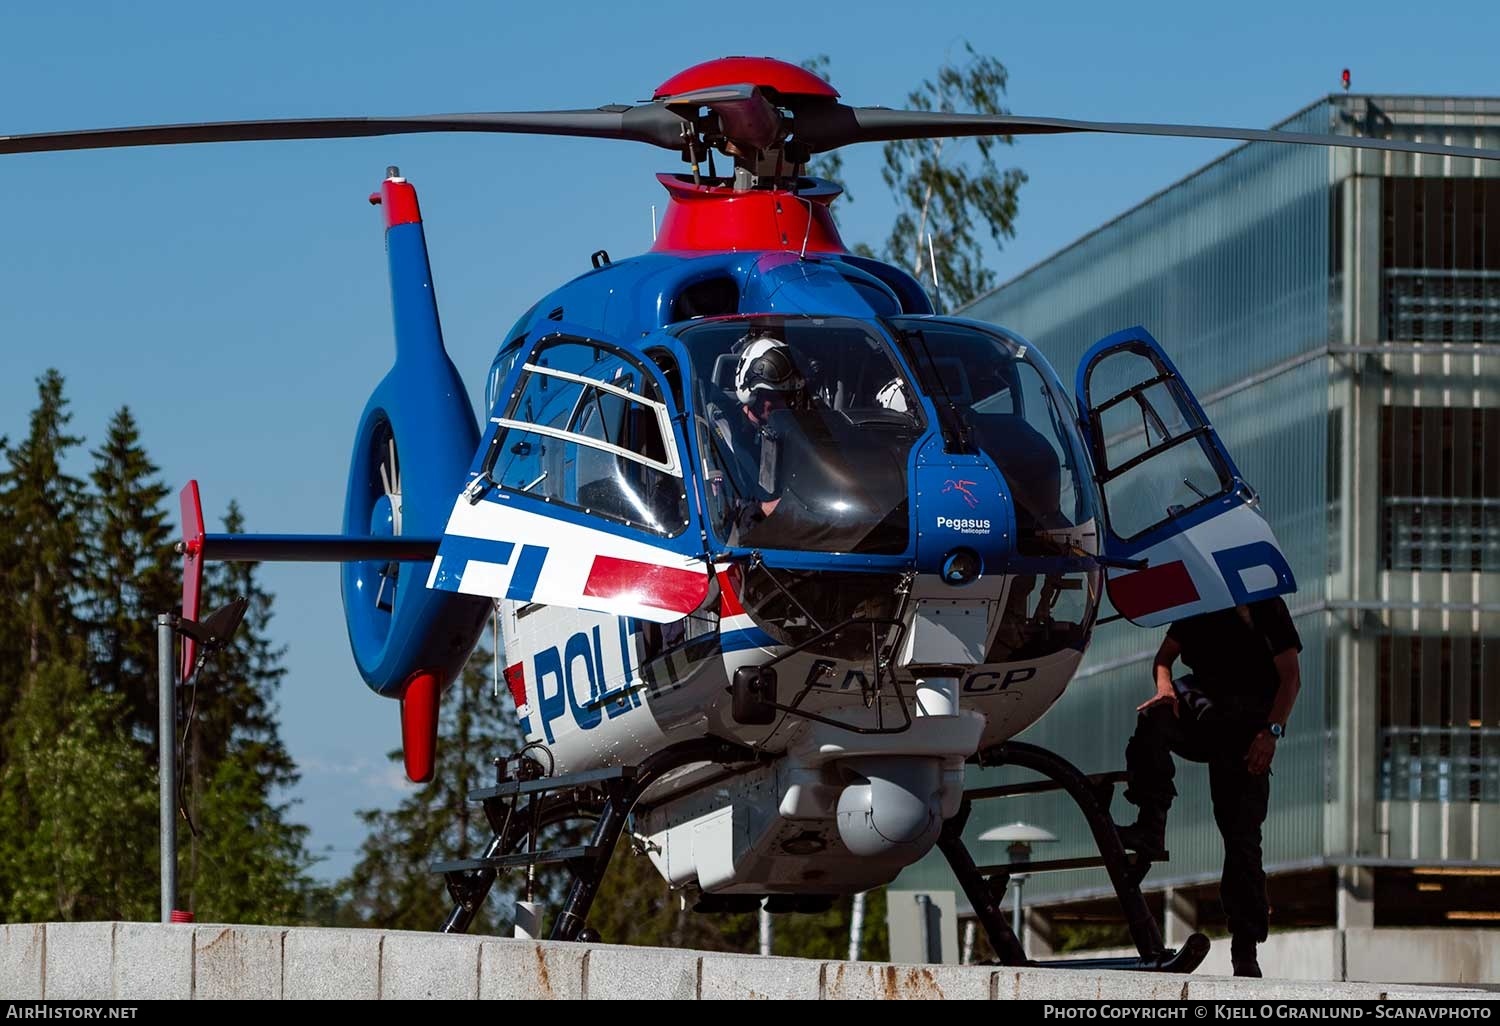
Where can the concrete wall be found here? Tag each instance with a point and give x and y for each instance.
(1423, 956)
(148, 960)
(1444, 957)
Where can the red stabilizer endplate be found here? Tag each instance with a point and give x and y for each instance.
(192, 567)
(419, 725)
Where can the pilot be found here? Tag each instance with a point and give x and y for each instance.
(766, 380)
(1229, 712)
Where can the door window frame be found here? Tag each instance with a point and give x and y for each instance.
(1201, 432)
(661, 415)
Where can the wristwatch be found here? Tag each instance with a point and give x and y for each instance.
(1276, 730)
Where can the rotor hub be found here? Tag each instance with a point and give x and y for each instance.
(768, 73)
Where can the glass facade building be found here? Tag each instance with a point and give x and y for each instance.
(1338, 315)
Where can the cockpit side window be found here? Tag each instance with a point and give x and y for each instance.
(500, 369)
(587, 428)
(670, 372)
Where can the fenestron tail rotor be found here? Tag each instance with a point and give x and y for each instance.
(388, 510)
(390, 479)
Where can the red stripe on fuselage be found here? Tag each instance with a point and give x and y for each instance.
(665, 587)
(515, 679)
(729, 602)
(1152, 590)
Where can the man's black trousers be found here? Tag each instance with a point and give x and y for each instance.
(1205, 731)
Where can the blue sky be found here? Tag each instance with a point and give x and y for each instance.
(235, 296)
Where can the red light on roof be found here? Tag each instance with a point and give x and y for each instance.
(1345, 78)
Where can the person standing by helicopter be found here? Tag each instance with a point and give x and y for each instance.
(1229, 713)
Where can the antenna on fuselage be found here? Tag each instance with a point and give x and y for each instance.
(807, 231)
(932, 259)
(653, 222)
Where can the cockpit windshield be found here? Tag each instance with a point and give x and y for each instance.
(804, 426)
(1005, 400)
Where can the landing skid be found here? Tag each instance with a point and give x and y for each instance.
(985, 885)
(605, 796)
(519, 809)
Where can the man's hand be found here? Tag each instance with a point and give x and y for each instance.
(1262, 750)
(1161, 675)
(1162, 697)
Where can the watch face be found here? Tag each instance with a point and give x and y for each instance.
(1277, 730)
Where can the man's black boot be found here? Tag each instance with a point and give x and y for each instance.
(1242, 957)
(1147, 836)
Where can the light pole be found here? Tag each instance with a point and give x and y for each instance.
(166, 763)
(210, 634)
(1018, 838)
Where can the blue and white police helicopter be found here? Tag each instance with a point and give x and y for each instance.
(776, 550)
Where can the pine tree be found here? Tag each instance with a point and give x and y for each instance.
(236, 688)
(132, 575)
(77, 820)
(12, 618)
(42, 564)
(78, 837)
(391, 885)
(246, 862)
(252, 861)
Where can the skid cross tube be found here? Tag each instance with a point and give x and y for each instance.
(1091, 795)
(469, 881)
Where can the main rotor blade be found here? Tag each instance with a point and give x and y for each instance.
(649, 123)
(827, 126)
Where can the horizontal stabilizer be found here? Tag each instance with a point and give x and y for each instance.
(315, 548)
(198, 547)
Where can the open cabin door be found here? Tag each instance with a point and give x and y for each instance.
(1171, 494)
(578, 496)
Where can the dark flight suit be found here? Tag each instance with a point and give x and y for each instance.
(739, 450)
(1222, 705)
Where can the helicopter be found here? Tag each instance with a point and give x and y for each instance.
(776, 549)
